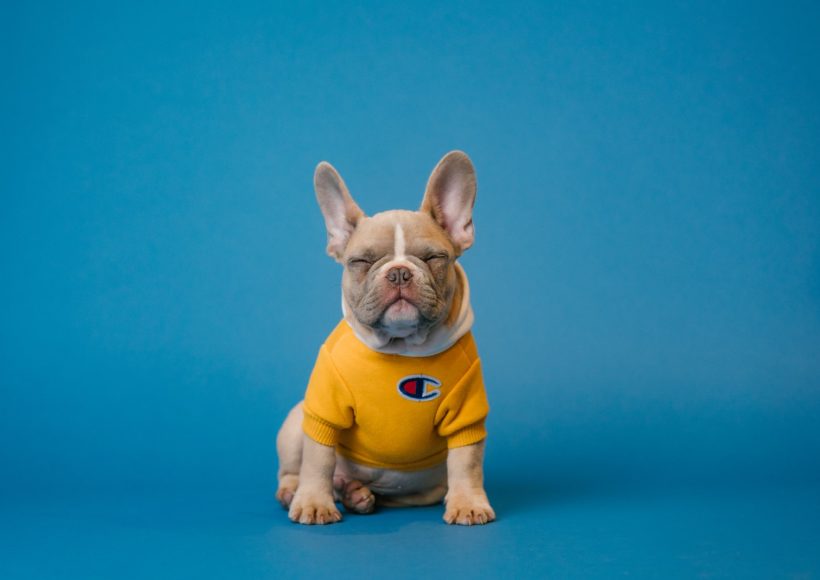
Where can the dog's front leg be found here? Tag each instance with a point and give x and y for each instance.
(313, 501)
(466, 501)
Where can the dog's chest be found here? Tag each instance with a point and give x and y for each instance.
(401, 402)
(402, 397)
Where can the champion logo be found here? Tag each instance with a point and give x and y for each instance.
(419, 388)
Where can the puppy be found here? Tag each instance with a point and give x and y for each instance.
(395, 407)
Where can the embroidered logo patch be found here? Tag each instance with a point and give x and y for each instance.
(419, 388)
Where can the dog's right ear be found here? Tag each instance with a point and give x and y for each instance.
(340, 211)
(450, 197)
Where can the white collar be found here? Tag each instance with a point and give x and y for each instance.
(440, 339)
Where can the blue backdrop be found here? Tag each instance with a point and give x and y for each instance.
(646, 274)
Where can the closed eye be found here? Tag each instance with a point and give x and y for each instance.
(359, 262)
(432, 257)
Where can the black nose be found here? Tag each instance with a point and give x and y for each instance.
(399, 276)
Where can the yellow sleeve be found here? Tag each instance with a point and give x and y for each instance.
(328, 406)
(460, 417)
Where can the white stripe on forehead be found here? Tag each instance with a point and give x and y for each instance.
(398, 250)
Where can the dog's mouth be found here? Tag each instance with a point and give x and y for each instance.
(401, 309)
(397, 312)
(401, 316)
(400, 295)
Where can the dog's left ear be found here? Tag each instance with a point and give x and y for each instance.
(340, 211)
(450, 197)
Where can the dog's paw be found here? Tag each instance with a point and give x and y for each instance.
(287, 489)
(357, 497)
(467, 509)
(313, 508)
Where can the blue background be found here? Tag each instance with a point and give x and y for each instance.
(646, 278)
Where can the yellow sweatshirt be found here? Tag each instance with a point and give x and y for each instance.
(392, 411)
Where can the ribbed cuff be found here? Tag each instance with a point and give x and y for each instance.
(320, 431)
(467, 436)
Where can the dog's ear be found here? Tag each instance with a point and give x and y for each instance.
(340, 211)
(450, 197)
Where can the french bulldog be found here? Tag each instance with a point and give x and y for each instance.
(395, 408)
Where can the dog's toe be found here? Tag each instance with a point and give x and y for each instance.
(313, 510)
(287, 489)
(358, 498)
(465, 511)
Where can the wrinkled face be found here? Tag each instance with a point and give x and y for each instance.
(399, 275)
(399, 266)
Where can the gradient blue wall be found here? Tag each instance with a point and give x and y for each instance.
(646, 275)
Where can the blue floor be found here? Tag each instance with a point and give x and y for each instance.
(764, 533)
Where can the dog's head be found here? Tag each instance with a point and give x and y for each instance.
(400, 279)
